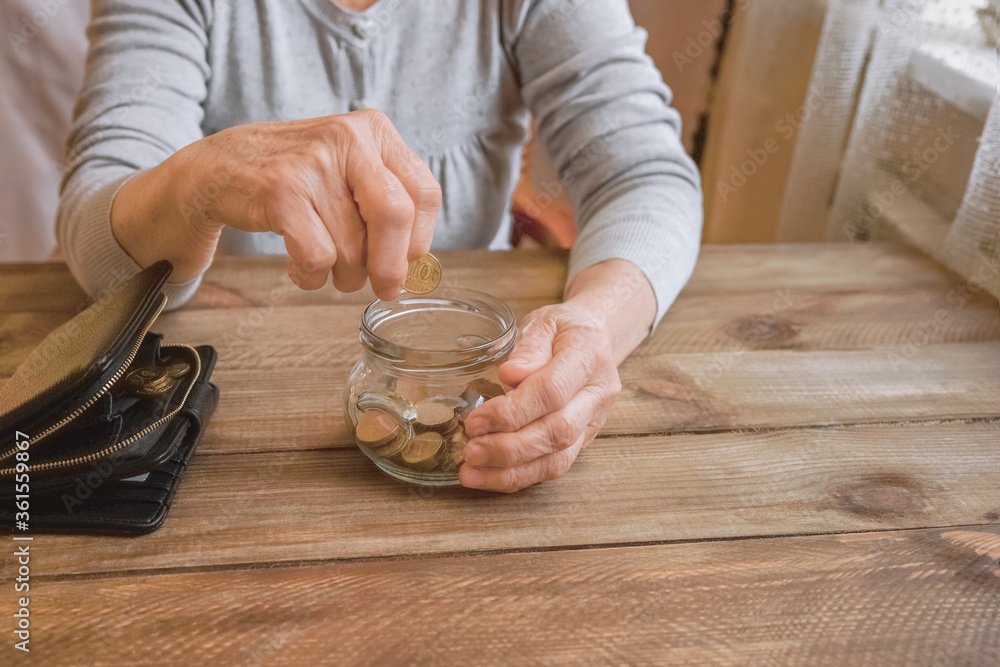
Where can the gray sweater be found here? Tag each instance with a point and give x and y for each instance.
(458, 78)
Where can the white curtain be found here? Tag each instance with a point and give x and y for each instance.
(886, 154)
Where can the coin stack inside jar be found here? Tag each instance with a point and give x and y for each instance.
(431, 436)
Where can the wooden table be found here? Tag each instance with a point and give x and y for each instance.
(803, 468)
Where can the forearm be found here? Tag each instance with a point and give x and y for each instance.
(604, 117)
(154, 216)
(619, 299)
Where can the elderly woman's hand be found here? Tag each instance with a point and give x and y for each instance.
(564, 380)
(564, 375)
(346, 193)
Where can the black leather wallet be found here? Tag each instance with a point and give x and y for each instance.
(99, 422)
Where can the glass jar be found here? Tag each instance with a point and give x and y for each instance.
(428, 362)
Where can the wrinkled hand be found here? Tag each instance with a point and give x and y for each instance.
(346, 193)
(564, 381)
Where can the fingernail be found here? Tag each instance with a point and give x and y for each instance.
(472, 478)
(475, 455)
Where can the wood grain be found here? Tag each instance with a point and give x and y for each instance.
(253, 281)
(718, 361)
(791, 319)
(286, 545)
(288, 408)
(912, 598)
(282, 385)
(743, 388)
(293, 506)
(240, 282)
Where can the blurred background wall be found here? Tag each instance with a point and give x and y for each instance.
(739, 70)
(41, 67)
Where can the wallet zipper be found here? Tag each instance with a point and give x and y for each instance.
(122, 444)
(103, 390)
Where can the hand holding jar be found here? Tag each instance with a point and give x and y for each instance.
(564, 376)
(565, 380)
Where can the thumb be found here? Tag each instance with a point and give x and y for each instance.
(532, 351)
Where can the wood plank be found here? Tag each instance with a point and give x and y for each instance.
(240, 282)
(289, 408)
(928, 597)
(295, 506)
(284, 391)
(805, 319)
(40, 286)
(302, 336)
(793, 319)
(788, 318)
(743, 389)
(260, 280)
(835, 266)
(716, 363)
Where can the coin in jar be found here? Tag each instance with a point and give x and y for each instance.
(421, 452)
(423, 275)
(453, 454)
(393, 448)
(435, 417)
(476, 393)
(376, 429)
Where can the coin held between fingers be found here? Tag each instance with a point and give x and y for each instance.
(423, 275)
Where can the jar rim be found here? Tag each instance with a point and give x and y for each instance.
(424, 359)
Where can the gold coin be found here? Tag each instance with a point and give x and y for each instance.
(150, 381)
(476, 393)
(178, 370)
(434, 416)
(423, 276)
(394, 447)
(421, 452)
(453, 454)
(147, 375)
(376, 429)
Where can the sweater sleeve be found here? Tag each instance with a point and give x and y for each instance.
(141, 101)
(605, 118)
